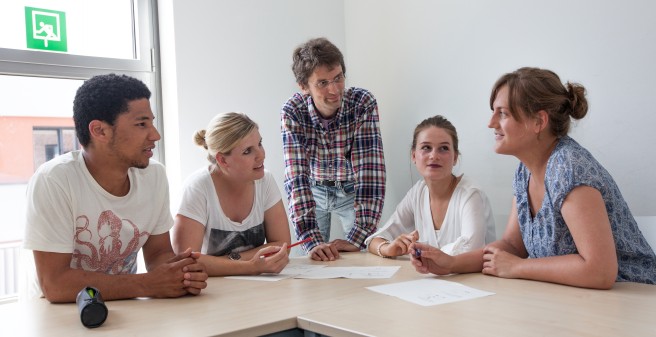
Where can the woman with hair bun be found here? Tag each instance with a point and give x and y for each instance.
(231, 210)
(569, 223)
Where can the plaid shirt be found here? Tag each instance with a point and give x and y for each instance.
(350, 149)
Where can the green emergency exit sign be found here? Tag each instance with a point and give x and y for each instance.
(45, 29)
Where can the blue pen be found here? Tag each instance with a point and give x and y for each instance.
(417, 253)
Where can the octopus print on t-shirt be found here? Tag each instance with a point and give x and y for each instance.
(222, 242)
(111, 247)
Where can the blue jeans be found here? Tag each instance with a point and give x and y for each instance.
(338, 199)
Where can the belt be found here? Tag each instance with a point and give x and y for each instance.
(329, 183)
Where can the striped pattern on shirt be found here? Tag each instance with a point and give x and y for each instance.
(349, 149)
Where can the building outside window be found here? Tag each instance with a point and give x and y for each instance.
(52, 142)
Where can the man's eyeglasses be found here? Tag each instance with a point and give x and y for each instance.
(339, 79)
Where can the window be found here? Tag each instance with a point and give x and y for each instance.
(49, 143)
(80, 27)
(47, 50)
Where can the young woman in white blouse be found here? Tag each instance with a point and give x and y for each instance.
(443, 210)
(231, 210)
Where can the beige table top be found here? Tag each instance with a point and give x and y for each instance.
(345, 307)
(518, 308)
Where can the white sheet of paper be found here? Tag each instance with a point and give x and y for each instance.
(430, 291)
(350, 272)
(288, 272)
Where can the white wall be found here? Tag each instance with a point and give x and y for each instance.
(233, 55)
(420, 58)
(442, 57)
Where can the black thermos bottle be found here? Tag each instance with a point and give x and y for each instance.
(93, 311)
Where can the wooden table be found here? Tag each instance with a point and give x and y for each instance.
(345, 307)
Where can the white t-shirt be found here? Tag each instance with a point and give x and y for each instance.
(69, 212)
(468, 223)
(222, 235)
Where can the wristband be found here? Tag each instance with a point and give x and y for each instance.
(381, 245)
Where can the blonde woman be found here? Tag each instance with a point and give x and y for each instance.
(231, 210)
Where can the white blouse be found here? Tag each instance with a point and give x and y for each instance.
(468, 223)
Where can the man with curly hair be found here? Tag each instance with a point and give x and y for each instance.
(91, 211)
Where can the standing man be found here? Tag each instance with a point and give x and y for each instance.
(333, 153)
(90, 211)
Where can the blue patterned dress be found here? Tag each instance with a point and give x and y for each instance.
(569, 166)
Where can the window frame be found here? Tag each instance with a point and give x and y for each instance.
(45, 63)
(145, 66)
